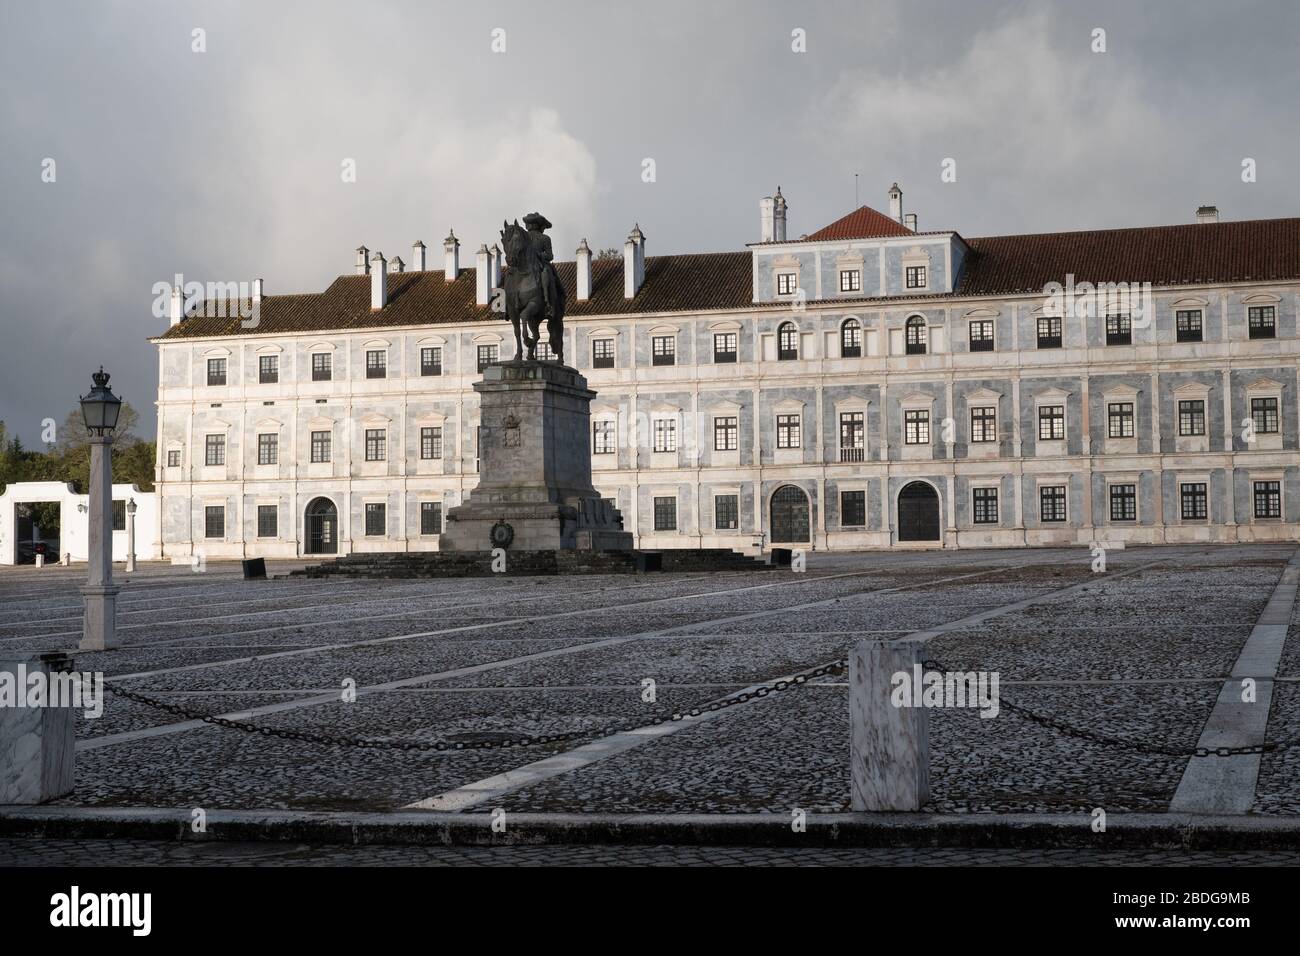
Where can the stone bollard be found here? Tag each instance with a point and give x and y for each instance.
(40, 560)
(37, 743)
(889, 746)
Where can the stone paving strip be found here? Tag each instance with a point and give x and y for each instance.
(1226, 784)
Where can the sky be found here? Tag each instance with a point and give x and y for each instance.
(228, 163)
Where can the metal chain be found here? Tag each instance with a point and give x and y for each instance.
(1140, 746)
(521, 740)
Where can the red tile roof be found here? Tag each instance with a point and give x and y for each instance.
(862, 223)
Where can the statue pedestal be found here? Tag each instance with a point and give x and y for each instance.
(534, 467)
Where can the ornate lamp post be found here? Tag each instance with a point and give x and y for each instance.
(130, 535)
(100, 409)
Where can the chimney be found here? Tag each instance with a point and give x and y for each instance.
(583, 256)
(417, 256)
(451, 246)
(397, 265)
(778, 216)
(909, 221)
(482, 275)
(767, 219)
(378, 282)
(177, 306)
(257, 291)
(633, 262)
(895, 203)
(1207, 214)
(496, 266)
(363, 260)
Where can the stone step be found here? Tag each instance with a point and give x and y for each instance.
(429, 564)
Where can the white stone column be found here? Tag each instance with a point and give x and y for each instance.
(99, 632)
(130, 536)
(37, 743)
(889, 746)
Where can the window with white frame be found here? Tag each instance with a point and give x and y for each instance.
(981, 335)
(984, 505)
(663, 350)
(1051, 422)
(726, 433)
(1195, 500)
(430, 442)
(376, 444)
(320, 447)
(724, 347)
(984, 423)
(1051, 503)
(268, 449)
(1263, 415)
(787, 342)
(1123, 502)
(1119, 420)
(787, 431)
(602, 438)
(214, 450)
(1268, 499)
(602, 353)
(786, 283)
(851, 339)
(916, 426)
(665, 435)
(850, 280)
(915, 277)
(1191, 416)
(853, 436)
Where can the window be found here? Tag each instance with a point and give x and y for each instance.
(914, 334)
(726, 433)
(916, 277)
(1191, 417)
(268, 369)
(850, 280)
(726, 512)
(268, 449)
(787, 342)
(1188, 325)
(1195, 500)
(1049, 332)
(1268, 499)
(1119, 330)
(665, 514)
(984, 423)
(852, 436)
(981, 335)
(851, 339)
(321, 367)
(602, 438)
(430, 517)
(320, 447)
(602, 353)
(916, 426)
(853, 509)
(663, 350)
(1123, 503)
(786, 284)
(724, 347)
(665, 430)
(173, 458)
(787, 431)
(431, 360)
(214, 521)
(1051, 503)
(377, 364)
(487, 355)
(376, 444)
(544, 352)
(267, 521)
(1051, 422)
(985, 505)
(1119, 420)
(431, 442)
(376, 515)
(217, 371)
(1262, 320)
(1263, 414)
(214, 450)
(119, 515)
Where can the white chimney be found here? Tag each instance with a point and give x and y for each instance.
(417, 256)
(177, 306)
(1207, 214)
(895, 203)
(767, 219)
(909, 220)
(633, 262)
(378, 282)
(583, 256)
(451, 247)
(397, 265)
(363, 260)
(497, 256)
(482, 275)
(257, 291)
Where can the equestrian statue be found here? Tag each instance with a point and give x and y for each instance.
(533, 292)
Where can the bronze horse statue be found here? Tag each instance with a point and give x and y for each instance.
(532, 293)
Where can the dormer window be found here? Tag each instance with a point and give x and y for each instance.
(787, 342)
(850, 280)
(1262, 321)
(786, 283)
(914, 336)
(851, 339)
(916, 277)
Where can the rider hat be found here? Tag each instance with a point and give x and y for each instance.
(538, 220)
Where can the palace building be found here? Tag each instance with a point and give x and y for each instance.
(867, 385)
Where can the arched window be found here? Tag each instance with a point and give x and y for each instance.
(915, 335)
(851, 339)
(787, 342)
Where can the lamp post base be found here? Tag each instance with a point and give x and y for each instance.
(100, 630)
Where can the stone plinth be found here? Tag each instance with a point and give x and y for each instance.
(535, 467)
(37, 743)
(889, 745)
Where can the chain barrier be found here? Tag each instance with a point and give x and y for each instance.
(521, 740)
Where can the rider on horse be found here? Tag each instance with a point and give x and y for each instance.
(544, 272)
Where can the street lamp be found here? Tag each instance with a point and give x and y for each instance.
(100, 409)
(130, 535)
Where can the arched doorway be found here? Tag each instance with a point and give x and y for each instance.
(789, 515)
(322, 527)
(918, 512)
